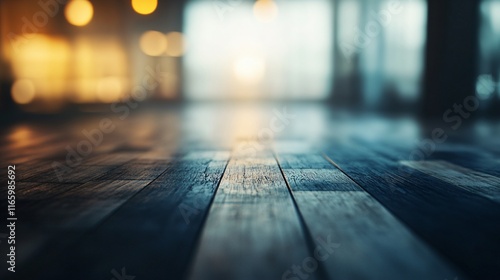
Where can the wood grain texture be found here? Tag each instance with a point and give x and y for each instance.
(252, 230)
(70, 230)
(373, 244)
(78, 174)
(133, 171)
(84, 205)
(25, 171)
(149, 234)
(458, 224)
(36, 192)
(52, 216)
(475, 158)
(473, 181)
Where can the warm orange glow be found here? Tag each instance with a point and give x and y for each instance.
(169, 80)
(23, 91)
(100, 68)
(144, 7)
(168, 86)
(153, 43)
(90, 69)
(110, 89)
(44, 60)
(21, 133)
(23, 136)
(265, 10)
(79, 12)
(176, 44)
(249, 69)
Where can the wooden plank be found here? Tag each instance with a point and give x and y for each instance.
(473, 181)
(437, 211)
(475, 159)
(302, 161)
(460, 225)
(467, 154)
(252, 230)
(83, 206)
(334, 206)
(29, 193)
(51, 216)
(35, 192)
(153, 234)
(78, 174)
(110, 159)
(132, 171)
(25, 171)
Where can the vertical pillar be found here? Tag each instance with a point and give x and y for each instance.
(451, 54)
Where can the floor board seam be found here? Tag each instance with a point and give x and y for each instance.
(87, 232)
(194, 250)
(403, 223)
(307, 233)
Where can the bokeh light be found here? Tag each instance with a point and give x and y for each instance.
(265, 10)
(23, 91)
(485, 86)
(153, 43)
(249, 69)
(79, 12)
(110, 89)
(144, 7)
(176, 44)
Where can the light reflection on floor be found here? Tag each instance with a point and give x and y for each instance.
(155, 131)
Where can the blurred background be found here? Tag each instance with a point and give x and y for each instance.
(401, 56)
(366, 82)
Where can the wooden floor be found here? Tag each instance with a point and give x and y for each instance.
(207, 191)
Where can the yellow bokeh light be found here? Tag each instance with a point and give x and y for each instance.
(79, 12)
(100, 67)
(110, 89)
(153, 43)
(23, 91)
(44, 60)
(175, 44)
(249, 69)
(265, 10)
(144, 7)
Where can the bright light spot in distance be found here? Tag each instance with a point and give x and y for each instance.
(153, 43)
(485, 86)
(249, 69)
(23, 91)
(288, 58)
(176, 44)
(144, 7)
(79, 12)
(265, 10)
